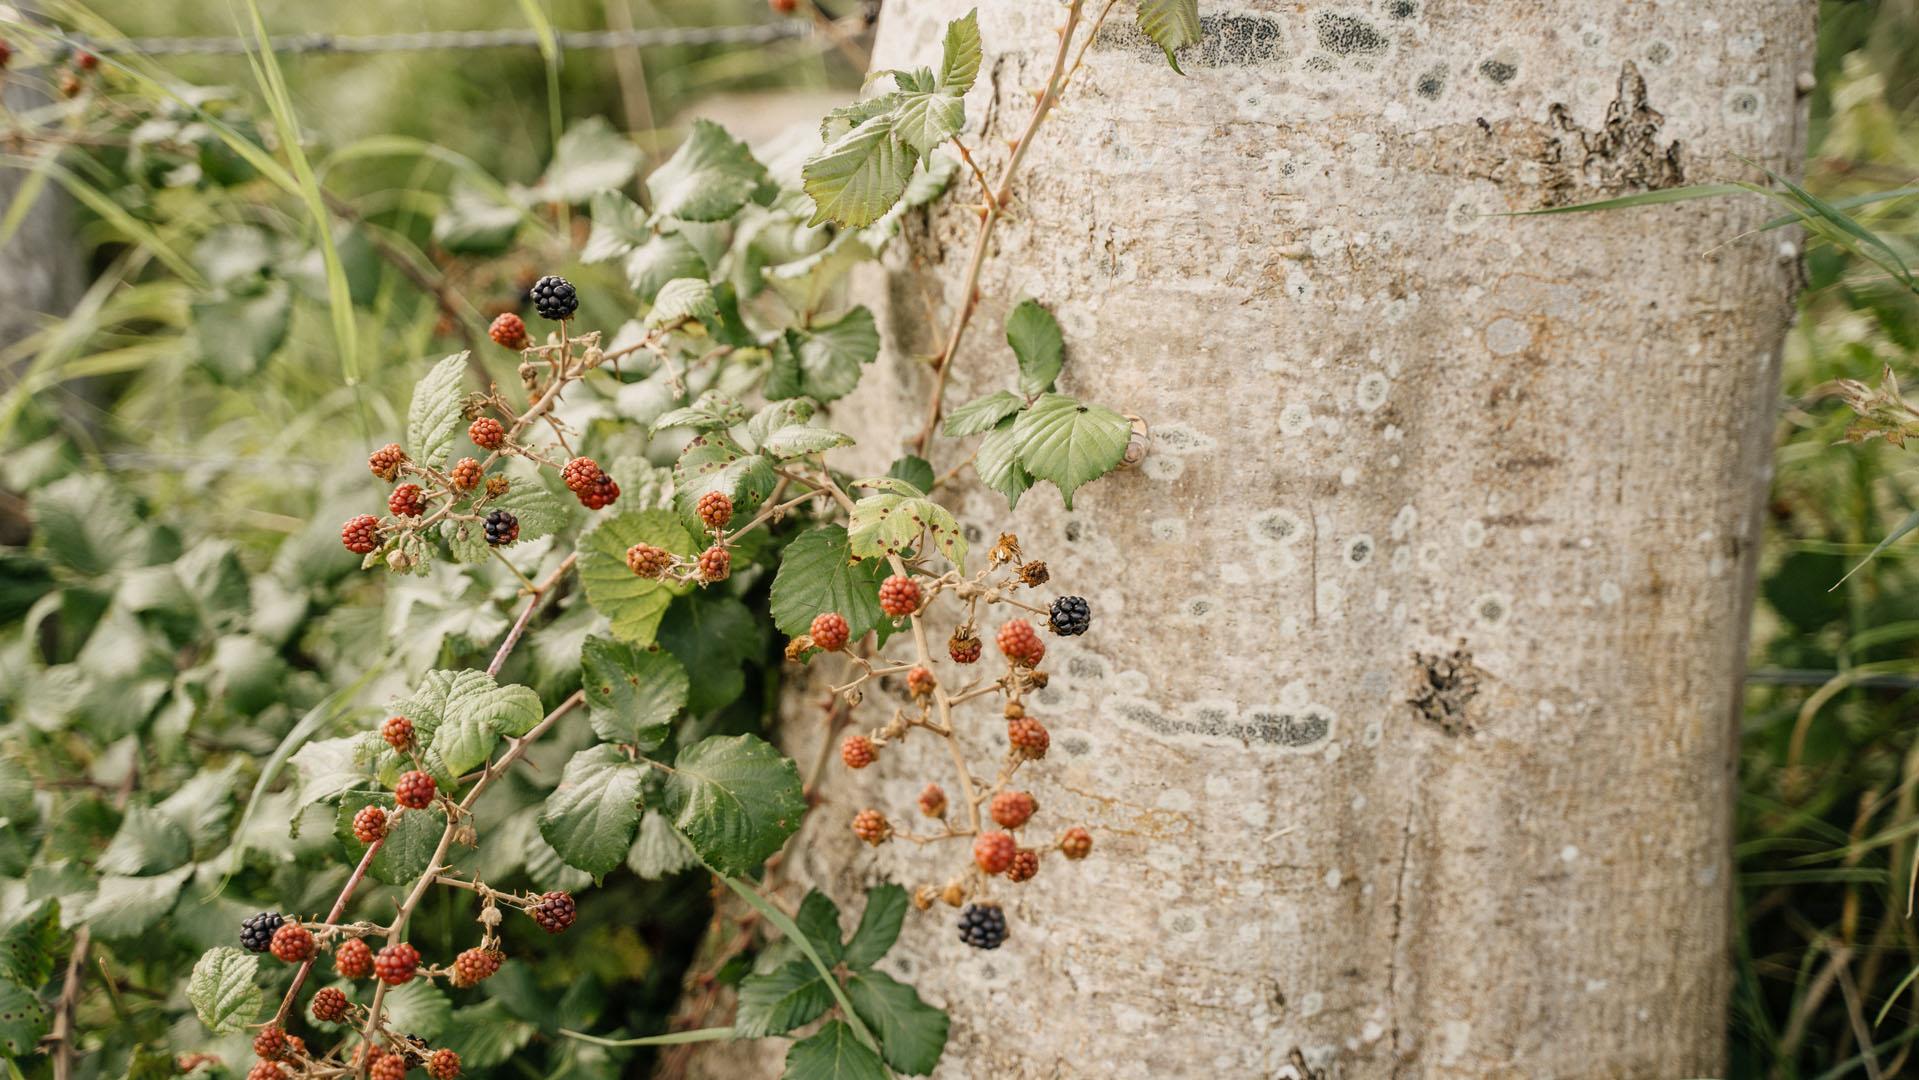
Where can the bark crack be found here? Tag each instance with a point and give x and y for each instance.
(1399, 926)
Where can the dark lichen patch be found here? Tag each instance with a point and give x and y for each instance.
(1443, 686)
(1659, 53)
(1499, 72)
(1269, 727)
(1224, 41)
(1625, 154)
(1431, 82)
(1349, 36)
(1401, 9)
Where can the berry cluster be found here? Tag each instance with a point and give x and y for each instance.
(587, 481)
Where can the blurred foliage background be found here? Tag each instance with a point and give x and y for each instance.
(154, 431)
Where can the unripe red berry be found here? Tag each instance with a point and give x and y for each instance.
(648, 561)
(396, 964)
(293, 943)
(1011, 809)
(1020, 643)
(85, 60)
(581, 474)
(508, 331)
(933, 801)
(352, 959)
(555, 912)
(414, 790)
(487, 433)
(270, 1043)
(857, 751)
(475, 965)
(329, 1005)
(1025, 865)
(406, 501)
(715, 564)
(369, 824)
(602, 494)
(1028, 737)
(398, 732)
(386, 461)
(872, 827)
(389, 1067)
(1076, 843)
(443, 1064)
(266, 1070)
(466, 475)
(899, 596)
(361, 534)
(830, 631)
(963, 646)
(993, 851)
(715, 509)
(783, 7)
(920, 682)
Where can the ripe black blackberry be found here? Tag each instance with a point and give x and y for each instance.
(555, 912)
(983, 926)
(1071, 615)
(502, 528)
(554, 298)
(256, 934)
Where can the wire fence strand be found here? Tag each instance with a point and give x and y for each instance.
(518, 38)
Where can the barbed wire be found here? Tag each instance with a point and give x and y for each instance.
(651, 37)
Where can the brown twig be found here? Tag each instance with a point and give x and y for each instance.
(62, 1034)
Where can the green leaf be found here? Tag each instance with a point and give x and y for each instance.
(912, 1033)
(28, 943)
(819, 920)
(960, 56)
(1069, 443)
(419, 1008)
(736, 800)
(823, 362)
(708, 178)
(713, 634)
(777, 415)
(236, 334)
(590, 819)
(590, 157)
(221, 989)
(475, 222)
(659, 851)
(913, 469)
(539, 510)
(781, 1000)
(860, 175)
(998, 465)
(712, 412)
(714, 462)
(411, 836)
(837, 123)
(434, 417)
(458, 716)
(619, 227)
(632, 694)
(879, 926)
(147, 842)
(927, 118)
(486, 1035)
(633, 604)
(1172, 24)
(832, 1053)
(661, 260)
(24, 1020)
(890, 523)
(681, 301)
(982, 413)
(817, 574)
(127, 907)
(799, 440)
(1034, 335)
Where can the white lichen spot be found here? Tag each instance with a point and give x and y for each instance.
(1175, 799)
(1276, 526)
(1311, 1003)
(1370, 735)
(1169, 530)
(1506, 336)
(1333, 878)
(1325, 242)
(1277, 562)
(1295, 695)
(1330, 598)
(1359, 803)
(1289, 628)
(1334, 751)
(1299, 285)
(1568, 854)
(1455, 1036)
(1472, 532)
(1492, 608)
(1382, 599)
(1349, 476)
(1743, 104)
(1609, 592)
(1161, 468)
(1371, 1031)
(1402, 560)
(1331, 425)
(1465, 213)
(1594, 986)
(1716, 565)
(1294, 419)
(1429, 556)
(1547, 709)
(1403, 522)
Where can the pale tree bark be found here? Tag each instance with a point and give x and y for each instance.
(1406, 725)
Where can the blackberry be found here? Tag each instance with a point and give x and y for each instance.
(857, 751)
(933, 801)
(963, 646)
(293, 943)
(443, 1064)
(1071, 615)
(1020, 643)
(1076, 843)
(715, 509)
(1011, 809)
(899, 596)
(466, 475)
(1025, 865)
(329, 1005)
(554, 298)
(502, 528)
(406, 501)
(270, 1043)
(353, 959)
(872, 827)
(414, 790)
(715, 564)
(397, 731)
(648, 561)
(829, 631)
(386, 461)
(369, 824)
(487, 433)
(396, 964)
(1028, 737)
(993, 851)
(508, 331)
(475, 966)
(603, 493)
(266, 1070)
(920, 682)
(256, 934)
(581, 474)
(361, 534)
(390, 1067)
(983, 926)
(555, 912)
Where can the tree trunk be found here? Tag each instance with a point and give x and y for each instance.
(1406, 726)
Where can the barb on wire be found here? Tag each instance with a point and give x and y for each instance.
(651, 37)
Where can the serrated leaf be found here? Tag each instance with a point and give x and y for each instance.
(1171, 24)
(1069, 443)
(713, 411)
(879, 926)
(127, 907)
(777, 415)
(912, 1033)
(736, 800)
(928, 118)
(147, 842)
(781, 1000)
(458, 716)
(660, 260)
(419, 1008)
(589, 157)
(222, 991)
(433, 418)
(633, 605)
(619, 227)
(326, 768)
(28, 943)
(913, 469)
(982, 413)
(832, 1053)
(817, 574)
(708, 178)
(824, 361)
(539, 511)
(960, 54)
(837, 123)
(714, 462)
(998, 465)
(486, 1035)
(591, 817)
(411, 836)
(632, 694)
(819, 919)
(24, 1020)
(713, 634)
(681, 301)
(892, 524)
(659, 851)
(859, 176)
(799, 440)
(1034, 335)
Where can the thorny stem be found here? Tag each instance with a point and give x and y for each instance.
(62, 1036)
(540, 593)
(339, 906)
(994, 209)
